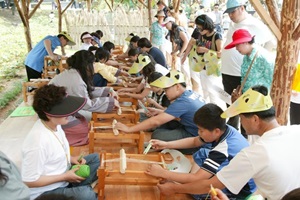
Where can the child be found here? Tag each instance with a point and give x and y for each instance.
(46, 154)
(103, 72)
(226, 143)
(184, 105)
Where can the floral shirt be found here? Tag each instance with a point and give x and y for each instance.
(262, 69)
(158, 34)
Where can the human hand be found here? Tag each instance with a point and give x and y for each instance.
(166, 188)
(236, 93)
(201, 49)
(155, 170)
(122, 127)
(179, 54)
(71, 177)
(54, 57)
(78, 160)
(220, 195)
(159, 144)
(116, 104)
(113, 93)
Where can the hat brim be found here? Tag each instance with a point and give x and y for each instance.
(236, 42)
(69, 106)
(230, 10)
(163, 82)
(251, 101)
(70, 40)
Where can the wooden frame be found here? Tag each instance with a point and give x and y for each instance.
(50, 68)
(129, 115)
(34, 84)
(105, 138)
(109, 174)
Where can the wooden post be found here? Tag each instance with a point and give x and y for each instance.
(149, 12)
(286, 60)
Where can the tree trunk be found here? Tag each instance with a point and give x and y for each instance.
(286, 60)
(273, 11)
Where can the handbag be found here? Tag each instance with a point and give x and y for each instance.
(236, 93)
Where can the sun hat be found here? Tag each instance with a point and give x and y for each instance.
(139, 64)
(70, 39)
(160, 13)
(128, 38)
(250, 101)
(68, 106)
(239, 36)
(86, 36)
(170, 79)
(231, 5)
(168, 19)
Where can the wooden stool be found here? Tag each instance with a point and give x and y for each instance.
(109, 172)
(99, 137)
(37, 83)
(52, 68)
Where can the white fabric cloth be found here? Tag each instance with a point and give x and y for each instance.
(231, 58)
(272, 162)
(161, 69)
(44, 155)
(85, 46)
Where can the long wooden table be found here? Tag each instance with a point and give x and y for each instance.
(13, 131)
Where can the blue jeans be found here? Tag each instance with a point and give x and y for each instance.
(82, 190)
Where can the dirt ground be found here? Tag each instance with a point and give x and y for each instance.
(8, 85)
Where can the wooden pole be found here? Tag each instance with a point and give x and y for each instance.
(286, 60)
(149, 12)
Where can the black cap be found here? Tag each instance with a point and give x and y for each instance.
(68, 106)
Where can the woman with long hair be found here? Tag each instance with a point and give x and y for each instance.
(78, 82)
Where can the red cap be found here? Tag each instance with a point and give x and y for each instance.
(239, 36)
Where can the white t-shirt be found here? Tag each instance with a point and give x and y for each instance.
(44, 155)
(231, 59)
(272, 161)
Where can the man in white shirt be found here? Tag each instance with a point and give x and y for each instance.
(231, 59)
(270, 161)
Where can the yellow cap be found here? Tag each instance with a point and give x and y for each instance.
(170, 79)
(250, 101)
(139, 64)
(70, 39)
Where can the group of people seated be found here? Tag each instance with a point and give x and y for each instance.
(178, 116)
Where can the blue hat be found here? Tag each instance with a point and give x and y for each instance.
(231, 5)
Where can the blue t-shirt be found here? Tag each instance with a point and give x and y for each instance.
(221, 153)
(35, 58)
(158, 56)
(184, 108)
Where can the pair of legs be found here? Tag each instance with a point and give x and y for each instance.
(32, 74)
(173, 130)
(82, 190)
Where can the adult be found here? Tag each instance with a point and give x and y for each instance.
(86, 40)
(226, 143)
(295, 98)
(46, 164)
(78, 82)
(11, 183)
(158, 32)
(145, 45)
(133, 40)
(180, 39)
(205, 40)
(231, 60)
(257, 60)
(183, 107)
(218, 22)
(34, 62)
(275, 172)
